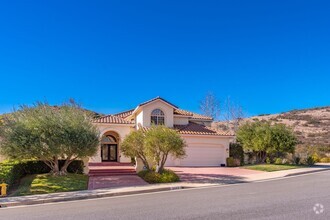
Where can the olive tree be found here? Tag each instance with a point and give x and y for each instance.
(161, 142)
(134, 146)
(48, 133)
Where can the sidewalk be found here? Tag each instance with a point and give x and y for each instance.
(99, 193)
(286, 173)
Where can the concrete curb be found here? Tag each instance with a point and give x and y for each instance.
(91, 196)
(306, 172)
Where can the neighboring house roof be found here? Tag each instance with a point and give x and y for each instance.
(112, 119)
(198, 129)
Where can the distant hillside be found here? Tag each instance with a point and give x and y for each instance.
(312, 126)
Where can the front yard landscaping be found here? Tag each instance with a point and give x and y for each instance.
(167, 176)
(47, 183)
(272, 167)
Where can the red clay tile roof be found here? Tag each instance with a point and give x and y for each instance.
(192, 114)
(124, 114)
(182, 112)
(198, 129)
(195, 129)
(111, 119)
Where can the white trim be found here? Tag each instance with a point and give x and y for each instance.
(207, 135)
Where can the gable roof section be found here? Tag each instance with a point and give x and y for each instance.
(155, 99)
(198, 129)
(112, 119)
(176, 111)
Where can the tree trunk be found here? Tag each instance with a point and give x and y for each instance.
(64, 168)
(54, 166)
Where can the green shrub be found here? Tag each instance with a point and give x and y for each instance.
(316, 157)
(167, 176)
(12, 171)
(310, 161)
(297, 160)
(230, 162)
(236, 151)
(278, 161)
(268, 160)
(325, 160)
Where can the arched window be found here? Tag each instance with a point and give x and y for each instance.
(109, 139)
(157, 117)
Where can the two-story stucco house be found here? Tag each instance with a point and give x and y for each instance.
(205, 146)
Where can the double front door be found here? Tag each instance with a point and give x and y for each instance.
(109, 152)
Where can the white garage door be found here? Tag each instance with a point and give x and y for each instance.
(203, 156)
(200, 156)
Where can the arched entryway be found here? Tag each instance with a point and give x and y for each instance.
(109, 147)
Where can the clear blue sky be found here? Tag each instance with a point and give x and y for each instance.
(270, 56)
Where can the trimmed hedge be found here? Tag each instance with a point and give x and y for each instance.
(167, 176)
(12, 171)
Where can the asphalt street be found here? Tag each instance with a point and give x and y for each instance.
(299, 197)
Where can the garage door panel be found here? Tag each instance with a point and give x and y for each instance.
(203, 156)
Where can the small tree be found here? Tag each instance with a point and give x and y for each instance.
(210, 106)
(283, 139)
(134, 146)
(264, 139)
(160, 142)
(49, 133)
(232, 113)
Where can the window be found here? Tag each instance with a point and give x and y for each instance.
(157, 117)
(109, 139)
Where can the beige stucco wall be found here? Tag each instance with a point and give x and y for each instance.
(180, 120)
(139, 118)
(122, 131)
(209, 150)
(147, 109)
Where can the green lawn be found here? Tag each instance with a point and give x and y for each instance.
(46, 183)
(272, 167)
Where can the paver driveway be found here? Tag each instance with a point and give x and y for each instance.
(213, 174)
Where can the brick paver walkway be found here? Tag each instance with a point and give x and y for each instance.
(101, 182)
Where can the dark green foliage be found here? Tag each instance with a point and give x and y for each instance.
(236, 151)
(310, 161)
(47, 133)
(278, 161)
(297, 160)
(167, 176)
(265, 139)
(12, 171)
